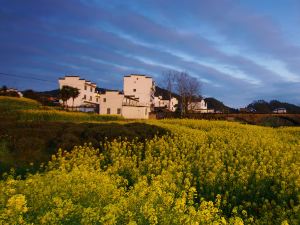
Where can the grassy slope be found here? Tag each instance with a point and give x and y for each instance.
(29, 133)
(23, 109)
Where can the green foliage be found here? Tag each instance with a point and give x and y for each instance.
(43, 98)
(11, 104)
(215, 104)
(262, 106)
(67, 92)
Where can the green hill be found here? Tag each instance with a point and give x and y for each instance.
(217, 105)
(262, 106)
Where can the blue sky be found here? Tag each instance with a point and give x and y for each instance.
(240, 50)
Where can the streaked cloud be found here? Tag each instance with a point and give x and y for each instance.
(241, 51)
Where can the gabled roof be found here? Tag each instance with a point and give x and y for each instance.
(140, 75)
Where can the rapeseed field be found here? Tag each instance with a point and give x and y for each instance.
(200, 172)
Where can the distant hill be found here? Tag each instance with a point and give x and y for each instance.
(164, 93)
(262, 106)
(52, 93)
(217, 105)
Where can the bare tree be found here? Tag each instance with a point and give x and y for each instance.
(169, 79)
(189, 89)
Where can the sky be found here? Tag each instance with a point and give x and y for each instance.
(240, 50)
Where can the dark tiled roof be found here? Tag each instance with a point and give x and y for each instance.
(141, 75)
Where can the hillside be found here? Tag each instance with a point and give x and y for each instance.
(164, 93)
(52, 93)
(31, 133)
(262, 106)
(217, 105)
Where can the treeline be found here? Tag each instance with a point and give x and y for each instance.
(262, 106)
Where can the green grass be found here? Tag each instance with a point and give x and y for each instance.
(63, 116)
(24, 109)
(12, 104)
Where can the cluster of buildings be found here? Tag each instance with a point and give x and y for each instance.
(10, 92)
(136, 101)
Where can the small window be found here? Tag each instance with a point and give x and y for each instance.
(104, 99)
(137, 78)
(85, 87)
(91, 98)
(146, 111)
(91, 89)
(118, 111)
(97, 99)
(84, 97)
(134, 90)
(108, 110)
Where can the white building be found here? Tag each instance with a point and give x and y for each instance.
(160, 102)
(13, 91)
(141, 87)
(115, 102)
(111, 102)
(280, 110)
(198, 106)
(134, 103)
(87, 91)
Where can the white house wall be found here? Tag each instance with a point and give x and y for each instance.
(159, 102)
(141, 87)
(197, 106)
(87, 92)
(111, 100)
(135, 112)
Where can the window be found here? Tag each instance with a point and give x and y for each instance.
(84, 97)
(146, 111)
(104, 99)
(108, 110)
(118, 111)
(134, 90)
(85, 87)
(91, 98)
(97, 99)
(91, 89)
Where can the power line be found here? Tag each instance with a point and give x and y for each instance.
(24, 77)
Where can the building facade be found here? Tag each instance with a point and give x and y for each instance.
(198, 106)
(111, 102)
(160, 102)
(141, 87)
(87, 91)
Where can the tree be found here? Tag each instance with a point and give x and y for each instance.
(169, 79)
(65, 93)
(74, 93)
(188, 88)
(261, 106)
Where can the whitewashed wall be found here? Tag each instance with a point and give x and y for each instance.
(159, 102)
(111, 100)
(87, 92)
(135, 112)
(141, 87)
(198, 106)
